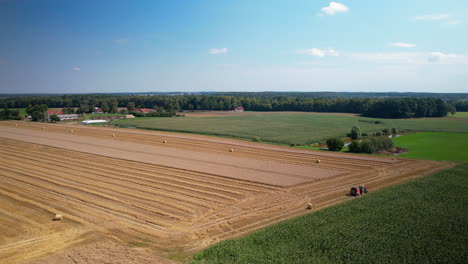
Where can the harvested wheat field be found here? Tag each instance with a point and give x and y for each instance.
(162, 193)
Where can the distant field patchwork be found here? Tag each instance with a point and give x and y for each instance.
(291, 128)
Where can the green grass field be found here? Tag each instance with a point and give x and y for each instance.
(461, 114)
(290, 128)
(435, 146)
(381, 227)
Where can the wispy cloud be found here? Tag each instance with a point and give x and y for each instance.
(439, 56)
(121, 41)
(334, 8)
(402, 45)
(218, 51)
(319, 52)
(433, 17)
(444, 19)
(76, 68)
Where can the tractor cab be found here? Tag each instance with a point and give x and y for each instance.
(355, 191)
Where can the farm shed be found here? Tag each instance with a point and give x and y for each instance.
(98, 121)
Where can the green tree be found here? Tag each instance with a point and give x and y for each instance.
(335, 144)
(37, 112)
(54, 118)
(355, 133)
(355, 147)
(68, 110)
(131, 106)
(105, 107)
(84, 108)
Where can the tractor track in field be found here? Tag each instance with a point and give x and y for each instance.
(185, 209)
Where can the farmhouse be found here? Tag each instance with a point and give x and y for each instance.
(98, 110)
(239, 109)
(145, 110)
(68, 116)
(61, 115)
(53, 112)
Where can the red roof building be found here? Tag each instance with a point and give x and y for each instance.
(98, 110)
(239, 109)
(145, 110)
(54, 112)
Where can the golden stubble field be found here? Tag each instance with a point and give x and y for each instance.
(136, 196)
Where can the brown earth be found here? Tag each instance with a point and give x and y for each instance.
(168, 199)
(392, 151)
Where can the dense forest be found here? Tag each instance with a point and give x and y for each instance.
(405, 107)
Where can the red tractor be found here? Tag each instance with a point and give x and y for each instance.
(356, 191)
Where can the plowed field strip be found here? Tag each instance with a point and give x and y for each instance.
(47, 194)
(86, 195)
(202, 145)
(118, 169)
(113, 174)
(156, 178)
(235, 186)
(246, 152)
(110, 189)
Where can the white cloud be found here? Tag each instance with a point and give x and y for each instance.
(318, 52)
(402, 45)
(433, 17)
(121, 41)
(76, 68)
(218, 51)
(334, 8)
(439, 56)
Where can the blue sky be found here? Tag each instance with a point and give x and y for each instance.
(65, 46)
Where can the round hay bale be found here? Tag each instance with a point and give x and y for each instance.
(16, 124)
(317, 161)
(58, 217)
(164, 141)
(310, 206)
(42, 127)
(113, 135)
(71, 130)
(231, 150)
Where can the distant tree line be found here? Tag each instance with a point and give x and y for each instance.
(372, 107)
(408, 108)
(380, 95)
(461, 105)
(10, 114)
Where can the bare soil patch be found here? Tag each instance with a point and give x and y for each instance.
(392, 151)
